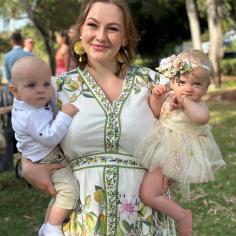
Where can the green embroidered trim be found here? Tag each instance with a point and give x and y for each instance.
(111, 182)
(104, 160)
(112, 111)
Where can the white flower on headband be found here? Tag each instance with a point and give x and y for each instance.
(172, 67)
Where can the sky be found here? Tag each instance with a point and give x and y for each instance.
(12, 25)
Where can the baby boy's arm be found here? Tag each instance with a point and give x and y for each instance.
(48, 132)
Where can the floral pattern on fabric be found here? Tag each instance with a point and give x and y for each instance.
(109, 182)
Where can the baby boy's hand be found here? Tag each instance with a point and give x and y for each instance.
(159, 90)
(69, 109)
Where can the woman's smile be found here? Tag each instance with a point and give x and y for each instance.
(99, 47)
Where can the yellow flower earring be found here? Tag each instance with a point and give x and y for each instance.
(122, 55)
(78, 49)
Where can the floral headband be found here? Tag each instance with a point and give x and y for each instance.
(173, 67)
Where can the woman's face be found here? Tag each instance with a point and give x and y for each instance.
(103, 32)
(60, 39)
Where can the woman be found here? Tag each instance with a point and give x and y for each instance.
(73, 34)
(62, 53)
(112, 97)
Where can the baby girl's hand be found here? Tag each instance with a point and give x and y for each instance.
(69, 109)
(176, 102)
(159, 90)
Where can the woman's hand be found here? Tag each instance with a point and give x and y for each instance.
(39, 175)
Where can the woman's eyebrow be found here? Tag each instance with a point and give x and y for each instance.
(110, 23)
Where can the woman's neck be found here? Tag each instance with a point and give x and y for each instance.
(103, 69)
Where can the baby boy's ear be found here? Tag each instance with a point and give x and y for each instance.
(13, 90)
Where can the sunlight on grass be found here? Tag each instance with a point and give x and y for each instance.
(228, 84)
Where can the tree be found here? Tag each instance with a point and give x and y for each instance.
(216, 52)
(47, 17)
(193, 23)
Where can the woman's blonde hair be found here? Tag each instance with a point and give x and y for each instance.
(130, 31)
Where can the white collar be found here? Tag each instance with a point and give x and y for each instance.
(21, 105)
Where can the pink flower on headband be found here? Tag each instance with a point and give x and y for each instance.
(172, 67)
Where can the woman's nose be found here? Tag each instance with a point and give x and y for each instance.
(101, 34)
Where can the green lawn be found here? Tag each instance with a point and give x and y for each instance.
(214, 204)
(214, 207)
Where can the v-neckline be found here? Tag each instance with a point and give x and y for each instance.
(98, 91)
(103, 92)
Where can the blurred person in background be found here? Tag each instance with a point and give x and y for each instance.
(6, 98)
(62, 53)
(14, 54)
(28, 44)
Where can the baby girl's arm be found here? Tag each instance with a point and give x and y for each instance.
(156, 99)
(198, 113)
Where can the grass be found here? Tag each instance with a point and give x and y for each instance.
(21, 207)
(213, 205)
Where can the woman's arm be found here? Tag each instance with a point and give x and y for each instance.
(39, 175)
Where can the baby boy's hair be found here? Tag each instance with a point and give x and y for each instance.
(27, 67)
(197, 57)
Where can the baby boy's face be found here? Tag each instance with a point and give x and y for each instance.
(35, 90)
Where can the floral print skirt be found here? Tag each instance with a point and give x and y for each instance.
(109, 200)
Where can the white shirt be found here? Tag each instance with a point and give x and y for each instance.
(36, 130)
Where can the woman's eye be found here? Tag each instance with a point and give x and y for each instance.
(114, 29)
(92, 25)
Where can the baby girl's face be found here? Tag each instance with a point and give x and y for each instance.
(36, 90)
(193, 85)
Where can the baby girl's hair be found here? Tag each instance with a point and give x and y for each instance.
(197, 58)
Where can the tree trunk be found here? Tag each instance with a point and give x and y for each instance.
(216, 51)
(193, 23)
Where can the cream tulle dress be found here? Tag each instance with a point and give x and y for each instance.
(186, 152)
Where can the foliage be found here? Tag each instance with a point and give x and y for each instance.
(228, 66)
(10, 9)
(157, 29)
(47, 18)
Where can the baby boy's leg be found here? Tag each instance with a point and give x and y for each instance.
(67, 189)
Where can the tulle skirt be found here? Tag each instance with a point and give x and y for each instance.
(186, 153)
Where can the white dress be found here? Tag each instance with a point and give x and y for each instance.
(186, 152)
(99, 146)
